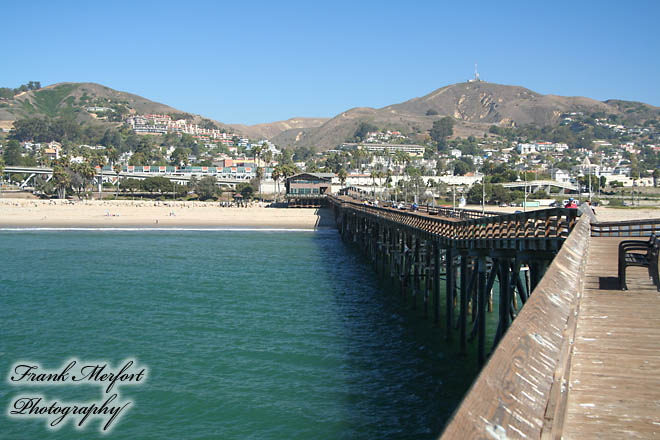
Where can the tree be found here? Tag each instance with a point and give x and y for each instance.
(13, 154)
(267, 157)
(441, 130)
(342, 176)
(138, 159)
(179, 156)
(131, 185)
(276, 175)
(153, 184)
(461, 168)
(117, 169)
(62, 180)
(246, 190)
(207, 188)
(362, 130)
(260, 176)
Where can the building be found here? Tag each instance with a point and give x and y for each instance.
(412, 150)
(308, 189)
(526, 148)
(561, 176)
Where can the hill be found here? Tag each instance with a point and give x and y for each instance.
(272, 129)
(86, 102)
(83, 101)
(474, 105)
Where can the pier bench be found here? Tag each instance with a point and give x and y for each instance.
(639, 253)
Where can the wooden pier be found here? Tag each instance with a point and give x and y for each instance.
(614, 386)
(581, 358)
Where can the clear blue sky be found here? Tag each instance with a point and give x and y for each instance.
(251, 62)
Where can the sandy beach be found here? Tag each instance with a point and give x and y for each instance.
(27, 213)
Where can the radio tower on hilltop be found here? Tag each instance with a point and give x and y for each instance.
(476, 75)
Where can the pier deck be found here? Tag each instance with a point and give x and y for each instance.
(615, 368)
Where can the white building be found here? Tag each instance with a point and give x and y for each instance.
(526, 148)
(561, 176)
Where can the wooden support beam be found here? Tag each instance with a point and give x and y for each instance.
(428, 275)
(436, 283)
(481, 311)
(449, 292)
(464, 300)
(416, 272)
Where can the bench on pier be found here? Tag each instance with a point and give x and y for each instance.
(641, 254)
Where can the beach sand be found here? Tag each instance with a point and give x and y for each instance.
(24, 213)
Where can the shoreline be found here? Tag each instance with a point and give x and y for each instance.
(29, 214)
(35, 214)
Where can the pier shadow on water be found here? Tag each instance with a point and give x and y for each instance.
(401, 378)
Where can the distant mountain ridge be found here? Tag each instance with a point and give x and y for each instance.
(474, 105)
(76, 98)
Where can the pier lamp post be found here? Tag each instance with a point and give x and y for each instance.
(525, 189)
(483, 193)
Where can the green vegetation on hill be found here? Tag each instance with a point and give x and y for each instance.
(49, 101)
(7, 93)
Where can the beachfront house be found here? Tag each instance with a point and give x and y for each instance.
(308, 189)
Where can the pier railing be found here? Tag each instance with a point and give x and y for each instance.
(521, 392)
(533, 230)
(630, 228)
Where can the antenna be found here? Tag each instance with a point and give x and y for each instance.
(476, 73)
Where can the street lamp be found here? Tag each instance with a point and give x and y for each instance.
(483, 193)
(525, 189)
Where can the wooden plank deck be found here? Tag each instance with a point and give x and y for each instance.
(614, 380)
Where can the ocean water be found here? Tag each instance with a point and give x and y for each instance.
(246, 335)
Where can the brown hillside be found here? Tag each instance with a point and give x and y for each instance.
(272, 129)
(475, 106)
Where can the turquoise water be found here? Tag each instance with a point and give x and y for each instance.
(262, 335)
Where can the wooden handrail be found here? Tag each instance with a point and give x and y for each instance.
(464, 225)
(626, 228)
(520, 393)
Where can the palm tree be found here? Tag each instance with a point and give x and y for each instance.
(113, 155)
(276, 174)
(62, 180)
(342, 176)
(260, 176)
(117, 169)
(87, 171)
(256, 152)
(373, 176)
(268, 157)
(100, 162)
